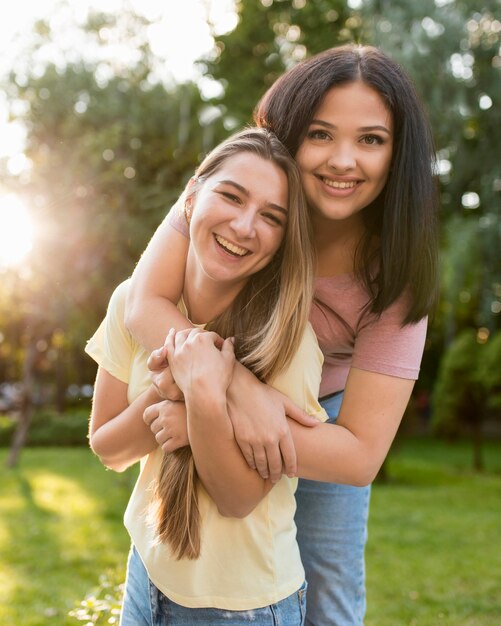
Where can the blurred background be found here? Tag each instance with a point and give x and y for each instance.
(106, 108)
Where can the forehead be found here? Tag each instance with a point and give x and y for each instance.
(354, 101)
(259, 176)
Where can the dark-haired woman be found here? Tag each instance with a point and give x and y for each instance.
(352, 119)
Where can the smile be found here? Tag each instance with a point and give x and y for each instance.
(230, 247)
(339, 184)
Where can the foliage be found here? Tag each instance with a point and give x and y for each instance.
(490, 374)
(451, 50)
(468, 389)
(110, 149)
(269, 38)
(102, 606)
(50, 428)
(61, 527)
(458, 391)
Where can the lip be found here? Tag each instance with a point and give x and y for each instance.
(339, 192)
(227, 252)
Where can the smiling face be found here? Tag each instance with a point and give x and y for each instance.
(238, 221)
(346, 154)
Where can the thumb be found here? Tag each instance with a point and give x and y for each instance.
(227, 349)
(298, 415)
(158, 359)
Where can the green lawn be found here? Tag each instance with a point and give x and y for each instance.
(434, 553)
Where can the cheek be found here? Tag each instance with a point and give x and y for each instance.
(273, 240)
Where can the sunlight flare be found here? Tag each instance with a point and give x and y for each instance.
(16, 231)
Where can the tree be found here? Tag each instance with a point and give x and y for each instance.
(110, 147)
(458, 398)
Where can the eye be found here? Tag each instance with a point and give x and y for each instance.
(274, 219)
(230, 196)
(372, 140)
(319, 134)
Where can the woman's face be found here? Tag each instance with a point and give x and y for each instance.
(346, 154)
(239, 218)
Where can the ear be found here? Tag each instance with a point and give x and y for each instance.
(189, 195)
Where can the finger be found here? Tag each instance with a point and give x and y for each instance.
(171, 445)
(289, 456)
(274, 463)
(248, 455)
(167, 446)
(158, 359)
(261, 462)
(156, 426)
(228, 350)
(170, 342)
(161, 437)
(297, 414)
(150, 414)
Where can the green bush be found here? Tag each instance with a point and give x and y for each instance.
(457, 397)
(50, 428)
(490, 373)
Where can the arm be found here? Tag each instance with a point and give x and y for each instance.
(203, 372)
(266, 443)
(117, 432)
(353, 450)
(156, 286)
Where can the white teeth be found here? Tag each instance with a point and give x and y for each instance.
(338, 184)
(230, 246)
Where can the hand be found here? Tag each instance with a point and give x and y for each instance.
(161, 376)
(167, 421)
(200, 360)
(259, 414)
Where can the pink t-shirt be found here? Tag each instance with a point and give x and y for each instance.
(348, 336)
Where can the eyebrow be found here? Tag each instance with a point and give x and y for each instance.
(272, 205)
(364, 129)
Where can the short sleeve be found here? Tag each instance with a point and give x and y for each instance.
(386, 347)
(300, 381)
(111, 345)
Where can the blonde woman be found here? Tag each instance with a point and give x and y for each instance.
(247, 224)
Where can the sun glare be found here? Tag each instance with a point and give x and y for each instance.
(16, 231)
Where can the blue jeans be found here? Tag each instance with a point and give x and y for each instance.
(332, 533)
(145, 605)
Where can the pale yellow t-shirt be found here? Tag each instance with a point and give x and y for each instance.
(244, 563)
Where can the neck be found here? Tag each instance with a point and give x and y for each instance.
(336, 242)
(205, 298)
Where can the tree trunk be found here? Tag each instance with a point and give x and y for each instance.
(26, 408)
(478, 439)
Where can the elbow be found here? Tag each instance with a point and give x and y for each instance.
(365, 475)
(235, 510)
(108, 462)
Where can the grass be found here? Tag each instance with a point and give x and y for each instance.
(434, 551)
(60, 528)
(433, 557)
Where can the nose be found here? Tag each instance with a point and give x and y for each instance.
(342, 157)
(244, 223)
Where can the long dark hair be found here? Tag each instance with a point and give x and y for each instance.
(402, 220)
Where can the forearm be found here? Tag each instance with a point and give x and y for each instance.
(332, 453)
(353, 450)
(122, 440)
(235, 488)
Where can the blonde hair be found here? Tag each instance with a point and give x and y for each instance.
(267, 319)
